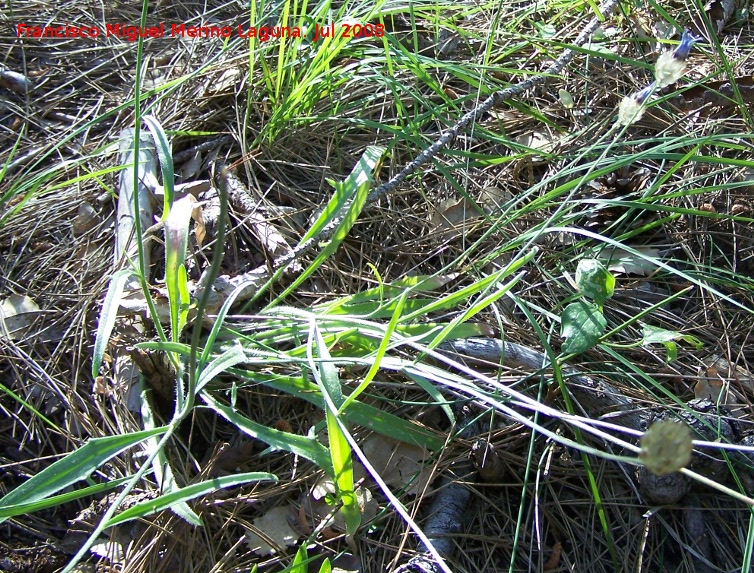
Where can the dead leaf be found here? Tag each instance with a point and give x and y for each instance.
(554, 561)
(492, 198)
(18, 314)
(710, 385)
(398, 463)
(191, 167)
(538, 140)
(451, 216)
(197, 214)
(227, 82)
(275, 528)
(86, 219)
(622, 261)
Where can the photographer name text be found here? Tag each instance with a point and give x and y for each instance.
(263, 33)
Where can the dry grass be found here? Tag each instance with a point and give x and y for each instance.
(546, 500)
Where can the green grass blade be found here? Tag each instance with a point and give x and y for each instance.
(308, 448)
(56, 500)
(226, 360)
(357, 185)
(176, 242)
(359, 413)
(340, 451)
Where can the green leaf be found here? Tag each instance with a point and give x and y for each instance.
(165, 155)
(55, 500)
(107, 318)
(359, 413)
(300, 561)
(227, 359)
(176, 242)
(351, 194)
(187, 493)
(74, 467)
(340, 450)
(582, 325)
(656, 335)
(594, 280)
(163, 472)
(305, 447)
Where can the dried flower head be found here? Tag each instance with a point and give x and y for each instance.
(666, 447)
(631, 108)
(672, 63)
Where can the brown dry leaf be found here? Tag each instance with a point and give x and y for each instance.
(18, 313)
(197, 214)
(450, 217)
(727, 370)
(492, 198)
(227, 82)
(86, 219)
(622, 261)
(554, 561)
(398, 463)
(274, 525)
(191, 167)
(14, 81)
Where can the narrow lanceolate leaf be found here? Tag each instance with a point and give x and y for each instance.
(56, 500)
(74, 467)
(176, 242)
(165, 156)
(108, 316)
(340, 450)
(163, 472)
(187, 493)
(351, 194)
(308, 448)
(227, 359)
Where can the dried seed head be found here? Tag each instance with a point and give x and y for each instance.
(666, 447)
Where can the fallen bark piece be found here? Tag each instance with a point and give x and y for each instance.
(14, 81)
(595, 396)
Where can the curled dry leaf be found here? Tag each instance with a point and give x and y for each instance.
(622, 261)
(191, 167)
(14, 81)
(86, 219)
(275, 528)
(400, 465)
